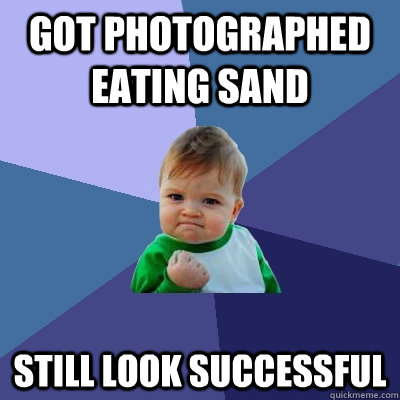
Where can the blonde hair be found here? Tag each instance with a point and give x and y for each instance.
(201, 148)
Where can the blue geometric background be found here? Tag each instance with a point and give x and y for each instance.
(321, 199)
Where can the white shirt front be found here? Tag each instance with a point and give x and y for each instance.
(233, 268)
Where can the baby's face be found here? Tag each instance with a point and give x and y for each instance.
(197, 209)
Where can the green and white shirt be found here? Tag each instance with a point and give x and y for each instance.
(235, 264)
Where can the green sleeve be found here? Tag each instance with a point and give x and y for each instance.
(271, 284)
(150, 275)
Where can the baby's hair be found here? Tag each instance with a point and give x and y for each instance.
(201, 148)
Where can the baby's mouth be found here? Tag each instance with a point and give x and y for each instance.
(190, 223)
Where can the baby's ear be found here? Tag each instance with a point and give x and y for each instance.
(239, 203)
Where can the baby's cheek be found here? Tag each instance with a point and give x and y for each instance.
(166, 220)
(218, 225)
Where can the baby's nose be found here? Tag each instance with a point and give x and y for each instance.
(191, 208)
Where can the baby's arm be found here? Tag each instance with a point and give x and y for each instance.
(271, 284)
(151, 273)
(185, 271)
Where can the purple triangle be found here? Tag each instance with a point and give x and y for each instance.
(114, 319)
(331, 301)
(340, 188)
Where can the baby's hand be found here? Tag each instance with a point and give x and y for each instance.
(184, 270)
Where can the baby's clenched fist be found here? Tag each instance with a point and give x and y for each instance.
(184, 270)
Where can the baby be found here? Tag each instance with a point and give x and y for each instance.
(201, 249)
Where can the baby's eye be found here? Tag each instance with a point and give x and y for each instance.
(176, 197)
(210, 202)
